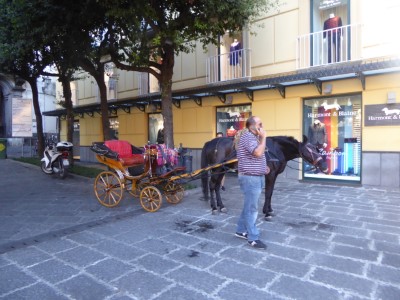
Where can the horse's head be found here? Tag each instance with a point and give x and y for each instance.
(311, 154)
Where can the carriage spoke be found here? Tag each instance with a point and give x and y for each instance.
(108, 189)
(150, 198)
(174, 192)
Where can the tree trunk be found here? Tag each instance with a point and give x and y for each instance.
(167, 71)
(104, 107)
(38, 115)
(68, 106)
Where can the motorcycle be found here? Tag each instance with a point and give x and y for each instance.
(56, 159)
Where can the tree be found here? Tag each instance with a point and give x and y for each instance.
(147, 35)
(21, 54)
(64, 34)
(77, 36)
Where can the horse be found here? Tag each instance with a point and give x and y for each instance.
(279, 150)
(216, 151)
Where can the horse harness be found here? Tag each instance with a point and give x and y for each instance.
(314, 162)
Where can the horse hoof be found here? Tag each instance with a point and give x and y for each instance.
(224, 210)
(214, 211)
(268, 217)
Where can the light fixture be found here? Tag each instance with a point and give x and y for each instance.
(328, 89)
(391, 98)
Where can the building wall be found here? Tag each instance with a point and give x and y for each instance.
(273, 51)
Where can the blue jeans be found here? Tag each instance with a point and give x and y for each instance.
(251, 187)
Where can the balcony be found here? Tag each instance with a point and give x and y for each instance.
(341, 44)
(235, 65)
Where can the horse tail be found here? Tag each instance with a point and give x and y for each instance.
(204, 175)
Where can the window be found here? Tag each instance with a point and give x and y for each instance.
(331, 38)
(232, 60)
(156, 128)
(230, 119)
(114, 126)
(334, 125)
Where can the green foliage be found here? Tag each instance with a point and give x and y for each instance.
(90, 172)
(143, 28)
(29, 160)
(77, 169)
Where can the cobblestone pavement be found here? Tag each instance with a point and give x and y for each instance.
(325, 242)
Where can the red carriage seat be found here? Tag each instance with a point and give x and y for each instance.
(124, 150)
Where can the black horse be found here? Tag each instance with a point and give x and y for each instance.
(280, 150)
(216, 151)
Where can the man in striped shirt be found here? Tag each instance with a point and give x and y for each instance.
(252, 167)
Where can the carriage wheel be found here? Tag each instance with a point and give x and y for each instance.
(150, 198)
(108, 189)
(173, 192)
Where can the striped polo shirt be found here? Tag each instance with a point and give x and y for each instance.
(249, 164)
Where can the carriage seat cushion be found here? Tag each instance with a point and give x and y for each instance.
(124, 150)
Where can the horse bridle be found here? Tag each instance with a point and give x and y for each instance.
(314, 161)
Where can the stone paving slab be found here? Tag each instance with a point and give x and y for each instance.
(325, 242)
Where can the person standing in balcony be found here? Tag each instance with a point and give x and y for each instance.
(234, 55)
(333, 31)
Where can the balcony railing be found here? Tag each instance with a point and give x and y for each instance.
(341, 44)
(229, 66)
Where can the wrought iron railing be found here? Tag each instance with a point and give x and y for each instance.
(337, 45)
(229, 66)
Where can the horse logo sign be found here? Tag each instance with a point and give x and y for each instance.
(382, 114)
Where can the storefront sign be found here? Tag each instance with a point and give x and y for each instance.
(325, 4)
(382, 115)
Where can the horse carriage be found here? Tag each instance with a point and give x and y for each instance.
(146, 173)
(141, 171)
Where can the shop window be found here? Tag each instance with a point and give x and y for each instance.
(334, 125)
(231, 119)
(156, 128)
(114, 127)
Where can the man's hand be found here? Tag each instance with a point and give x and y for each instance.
(262, 133)
(324, 145)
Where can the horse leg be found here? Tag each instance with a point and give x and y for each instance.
(269, 188)
(212, 199)
(205, 186)
(218, 194)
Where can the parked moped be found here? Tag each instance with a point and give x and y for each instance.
(56, 158)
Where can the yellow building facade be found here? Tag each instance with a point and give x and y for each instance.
(332, 61)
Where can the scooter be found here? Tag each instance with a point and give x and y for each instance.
(57, 160)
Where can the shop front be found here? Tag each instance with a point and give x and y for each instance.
(333, 125)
